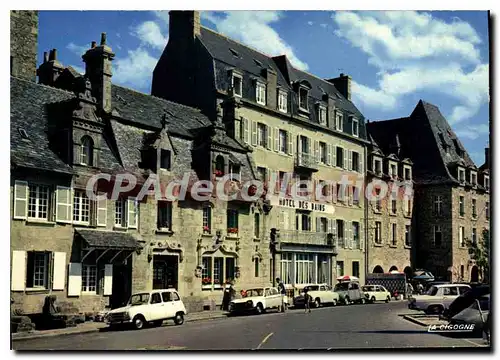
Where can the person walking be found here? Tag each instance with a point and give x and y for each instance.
(282, 291)
(307, 300)
(227, 297)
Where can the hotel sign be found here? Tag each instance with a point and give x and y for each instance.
(302, 205)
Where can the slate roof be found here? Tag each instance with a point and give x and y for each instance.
(108, 239)
(420, 141)
(28, 111)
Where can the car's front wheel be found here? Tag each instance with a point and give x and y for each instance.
(317, 303)
(179, 318)
(362, 301)
(347, 301)
(334, 303)
(372, 299)
(259, 309)
(139, 322)
(388, 299)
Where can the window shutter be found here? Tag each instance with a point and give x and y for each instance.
(21, 192)
(108, 279)
(350, 159)
(276, 139)
(334, 192)
(298, 148)
(289, 136)
(74, 279)
(254, 133)
(245, 130)
(18, 270)
(361, 235)
(351, 239)
(132, 213)
(269, 133)
(334, 155)
(351, 194)
(346, 159)
(316, 151)
(64, 204)
(318, 224)
(59, 271)
(328, 154)
(334, 231)
(102, 212)
(360, 157)
(346, 234)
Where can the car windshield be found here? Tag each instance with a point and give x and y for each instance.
(313, 287)
(254, 292)
(368, 288)
(341, 287)
(139, 299)
(432, 291)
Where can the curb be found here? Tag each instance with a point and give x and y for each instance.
(416, 321)
(29, 336)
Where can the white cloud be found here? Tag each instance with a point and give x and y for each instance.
(150, 33)
(253, 28)
(472, 132)
(136, 69)
(414, 51)
(77, 49)
(310, 22)
(323, 25)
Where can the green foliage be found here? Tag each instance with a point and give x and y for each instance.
(480, 252)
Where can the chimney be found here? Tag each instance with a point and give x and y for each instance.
(98, 70)
(50, 69)
(487, 156)
(343, 85)
(272, 87)
(183, 25)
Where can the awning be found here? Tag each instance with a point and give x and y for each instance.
(108, 239)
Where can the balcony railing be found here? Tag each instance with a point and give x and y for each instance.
(305, 237)
(306, 160)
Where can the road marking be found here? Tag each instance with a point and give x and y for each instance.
(264, 341)
(475, 343)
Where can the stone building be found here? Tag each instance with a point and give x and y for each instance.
(93, 253)
(451, 195)
(297, 126)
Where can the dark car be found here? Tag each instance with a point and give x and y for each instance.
(465, 300)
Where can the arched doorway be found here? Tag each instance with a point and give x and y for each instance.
(409, 272)
(378, 270)
(393, 268)
(474, 274)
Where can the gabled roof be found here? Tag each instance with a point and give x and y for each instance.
(28, 111)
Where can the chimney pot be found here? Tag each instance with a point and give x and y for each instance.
(487, 156)
(103, 38)
(54, 54)
(93, 44)
(341, 74)
(45, 57)
(51, 55)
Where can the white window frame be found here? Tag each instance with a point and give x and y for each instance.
(282, 101)
(487, 182)
(355, 122)
(474, 208)
(406, 167)
(378, 232)
(44, 256)
(262, 138)
(286, 270)
(169, 213)
(306, 108)
(78, 211)
(392, 165)
(461, 204)
(407, 235)
(235, 92)
(322, 117)
(375, 160)
(37, 189)
(473, 175)
(211, 271)
(283, 143)
(461, 175)
(324, 146)
(260, 93)
(474, 235)
(207, 218)
(339, 121)
(438, 204)
(87, 277)
(461, 236)
(120, 213)
(394, 234)
(356, 242)
(84, 156)
(358, 164)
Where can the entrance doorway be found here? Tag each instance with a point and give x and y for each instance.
(474, 274)
(165, 271)
(122, 286)
(378, 270)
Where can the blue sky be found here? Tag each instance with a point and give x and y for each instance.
(395, 58)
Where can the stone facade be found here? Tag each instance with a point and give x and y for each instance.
(23, 43)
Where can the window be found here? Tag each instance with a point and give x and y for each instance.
(237, 82)
(473, 178)
(260, 93)
(304, 268)
(462, 271)
(461, 175)
(322, 115)
(474, 236)
(339, 122)
(377, 166)
(38, 202)
(261, 171)
(355, 161)
(378, 201)
(438, 205)
(304, 144)
(487, 183)
(462, 205)
(283, 141)
(303, 221)
(81, 207)
(474, 208)
(487, 210)
(355, 127)
(120, 213)
(156, 298)
(355, 236)
(165, 160)
(340, 268)
(286, 268)
(256, 267)
(232, 221)
(393, 171)
(234, 172)
(89, 278)
(256, 226)
(408, 207)
(394, 234)
(87, 151)
(461, 236)
(340, 233)
(37, 271)
(322, 152)
(165, 215)
(407, 173)
(355, 268)
(394, 203)
(340, 157)
(207, 219)
(216, 271)
(261, 134)
(407, 235)
(219, 166)
(378, 232)
(282, 101)
(281, 178)
(437, 236)
(322, 225)
(303, 99)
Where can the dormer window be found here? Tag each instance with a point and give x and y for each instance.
(339, 121)
(237, 84)
(303, 97)
(219, 166)
(282, 101)
(461, 175)
(260, 93)
(322, 115)
(377, 166)
(234, 171)
(355, 127)
(87, 151)
(473, 178)
(407, 173)
(487, 183)
(165, 159)
(393, 170)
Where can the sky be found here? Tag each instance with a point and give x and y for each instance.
(395, 58)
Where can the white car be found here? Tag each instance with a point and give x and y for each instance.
(257, 300)
(376, 293)
(149, 307)
(437, 298)
(321, 294)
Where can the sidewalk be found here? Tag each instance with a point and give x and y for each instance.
(424, 320)
(89, 327)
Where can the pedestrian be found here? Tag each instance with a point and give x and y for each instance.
(420, 288)
(282, 291)
(307, 300)
(226, 299)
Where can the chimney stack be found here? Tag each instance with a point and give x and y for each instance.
(98, 70)
(487, 156)
(50, 69)
(343, 85)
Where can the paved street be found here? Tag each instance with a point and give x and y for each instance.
(352, 327)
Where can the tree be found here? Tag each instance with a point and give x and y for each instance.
(480, 252)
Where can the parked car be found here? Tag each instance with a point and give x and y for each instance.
(321, 294)
(476, 314)
(376, 293)
(257, 300)
(465, 300)
(437, 298)
(349, 292)
(149, 307)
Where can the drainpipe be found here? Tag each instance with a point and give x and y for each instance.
(366, 212)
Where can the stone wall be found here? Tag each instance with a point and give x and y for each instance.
(23, 43)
